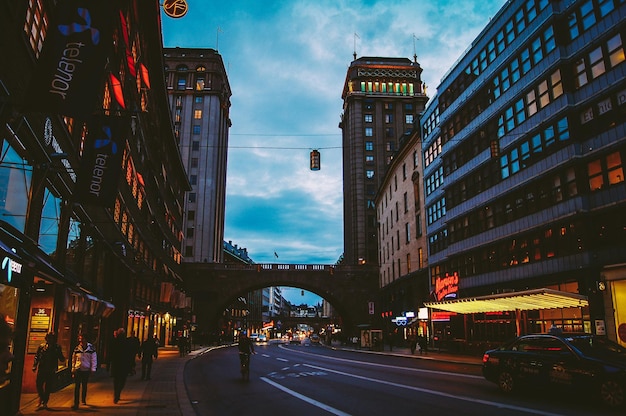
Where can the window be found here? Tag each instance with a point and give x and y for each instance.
(388, 118)
(193, 179)
(191, 197)
(198, 99)
(190, 232)
(197, 114)
(369, 159)
(369, 146)
(182, 82)
(368, 118)
(369, 132)
(369, 174)
(195, 145)
(408, 118)
(200, 83)
(194, 162)
(191, 215)
(36, 25)
(616, 51)
(596, 63)
(196, 129)
(407, 228)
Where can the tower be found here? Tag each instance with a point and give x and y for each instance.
(382, 97)
(199, 98)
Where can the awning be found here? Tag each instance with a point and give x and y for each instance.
(526, 300)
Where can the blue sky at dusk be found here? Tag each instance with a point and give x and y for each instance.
(286, 63)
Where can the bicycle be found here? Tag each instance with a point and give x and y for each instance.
(244, 361)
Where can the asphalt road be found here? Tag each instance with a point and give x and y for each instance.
(315, 380)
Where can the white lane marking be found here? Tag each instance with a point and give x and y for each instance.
(282, 359)
(438, 393)
(309, 400)
(265, 355)
(417, 370)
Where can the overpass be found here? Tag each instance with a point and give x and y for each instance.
(215, 286)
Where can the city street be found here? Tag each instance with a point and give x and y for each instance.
(314, 380)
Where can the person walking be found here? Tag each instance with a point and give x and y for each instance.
(149, 351)
(134, 345)
(84, 363)
(120, 357)
(46, 363)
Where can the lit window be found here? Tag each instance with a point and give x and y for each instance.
(616, 51)
(369, 132)
(369, 174)
(596, 63)
(197, 114)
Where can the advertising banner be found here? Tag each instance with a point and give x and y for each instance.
(71, 67)
(97, 182)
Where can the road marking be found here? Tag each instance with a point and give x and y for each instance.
(265, 355)
(417, 370)
(282, 359)
(438, 393)
(309, 400)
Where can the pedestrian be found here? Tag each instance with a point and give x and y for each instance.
(84, 363)
(413, 343)
(423, 344)
(133, 345)
(120, 357)
(46, 363)
(182, 345)
(149, 351)
(6, 356)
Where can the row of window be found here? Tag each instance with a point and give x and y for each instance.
(588, 67)
(597, 174)
(554, 241)
(512, 29)
(408, 118)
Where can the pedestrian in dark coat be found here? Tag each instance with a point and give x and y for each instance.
(134, 345)
(149, 351)
(120, 357)
(46, 363)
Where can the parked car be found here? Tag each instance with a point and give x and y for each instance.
(262, 338)
(254, 337)
(586, 362)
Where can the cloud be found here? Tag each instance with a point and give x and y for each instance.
(286, 63)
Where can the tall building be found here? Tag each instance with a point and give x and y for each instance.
(524, 153)
(199, 96)
(382, 97)
(88, 259)
(403, 247)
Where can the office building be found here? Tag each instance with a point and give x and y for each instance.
(524, 148)
(88, 239)
(199, 97)
(382, 97)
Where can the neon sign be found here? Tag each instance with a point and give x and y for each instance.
(11, 267)
(446, 286)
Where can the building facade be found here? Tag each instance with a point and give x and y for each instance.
(402, 247)
(524, 150)
(89, 238)
(199, 97)
(382, 97)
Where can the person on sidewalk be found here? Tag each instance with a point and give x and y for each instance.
(46, 363)
(149, 351)
(84, 362)
(134, 345)
(120, 357)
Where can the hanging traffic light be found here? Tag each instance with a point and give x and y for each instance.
(315, 160)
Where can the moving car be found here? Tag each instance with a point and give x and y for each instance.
(262, 338)
(589, 363)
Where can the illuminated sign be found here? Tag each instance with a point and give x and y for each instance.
(441, 316)
(447, 286)
(11, 266)
(175, 8)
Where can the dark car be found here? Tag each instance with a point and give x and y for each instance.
(573, 361)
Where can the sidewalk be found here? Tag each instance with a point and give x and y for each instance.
(434, 355)
(164, 394)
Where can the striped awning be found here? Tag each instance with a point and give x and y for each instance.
(526, 300)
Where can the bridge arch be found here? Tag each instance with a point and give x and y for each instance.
(214, 286)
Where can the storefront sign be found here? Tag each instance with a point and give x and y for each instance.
(446, 286)
(39, 327)
(11, 266)
(621, 332)
(600, 329)
(175, 8)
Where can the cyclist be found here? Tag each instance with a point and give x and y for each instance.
(246, 347)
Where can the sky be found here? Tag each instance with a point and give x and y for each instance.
(286, 62)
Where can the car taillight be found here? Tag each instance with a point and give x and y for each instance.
(485, 357)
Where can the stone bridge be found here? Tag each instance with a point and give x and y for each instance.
(349, 289)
